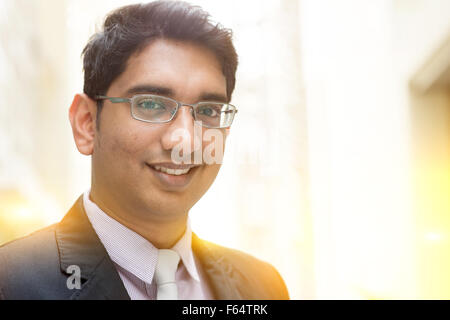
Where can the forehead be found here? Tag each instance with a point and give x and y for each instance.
(184, 67)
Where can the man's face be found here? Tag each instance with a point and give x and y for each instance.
(128, 152)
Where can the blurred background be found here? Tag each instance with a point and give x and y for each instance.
(337, 169)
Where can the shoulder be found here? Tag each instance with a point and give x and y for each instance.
(238, 257)
(30, 241)
(31, 248)
(29, 265)
(260, 278)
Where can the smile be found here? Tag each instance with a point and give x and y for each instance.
(173, 177)
(174, 172)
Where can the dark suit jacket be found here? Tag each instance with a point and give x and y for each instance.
(35, 267)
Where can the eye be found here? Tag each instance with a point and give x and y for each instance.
(151, 104)
(209, 111)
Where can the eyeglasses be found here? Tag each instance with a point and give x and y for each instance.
(157, 109)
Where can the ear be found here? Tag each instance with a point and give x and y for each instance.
(82, 116)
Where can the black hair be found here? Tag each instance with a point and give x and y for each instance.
(129, 29)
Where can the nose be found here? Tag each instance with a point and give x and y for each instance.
(181, 133)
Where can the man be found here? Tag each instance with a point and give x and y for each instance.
(158, 82)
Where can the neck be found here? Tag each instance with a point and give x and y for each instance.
(163, 234)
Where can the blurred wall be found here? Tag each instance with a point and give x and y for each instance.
(430, 118)
(359, 57)
(34, 136)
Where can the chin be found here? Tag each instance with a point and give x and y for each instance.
(165, 204)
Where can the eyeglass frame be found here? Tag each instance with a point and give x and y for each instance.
(179, 105)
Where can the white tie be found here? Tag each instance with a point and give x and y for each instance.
(166, 267)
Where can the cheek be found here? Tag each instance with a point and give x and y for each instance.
(202, 183)
(208, 177)
(135, 141)
(127, 142)
(118, 142)
(118, 134)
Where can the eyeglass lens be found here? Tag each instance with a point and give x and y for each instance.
(160, 109)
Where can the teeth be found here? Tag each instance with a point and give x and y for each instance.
(175, 172)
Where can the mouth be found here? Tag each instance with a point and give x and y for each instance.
(172, 176)
(171, 171)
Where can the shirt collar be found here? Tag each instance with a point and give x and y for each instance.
(184, 248)
(130, 250)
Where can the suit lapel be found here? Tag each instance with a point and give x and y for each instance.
(218, 270)
(79, 245)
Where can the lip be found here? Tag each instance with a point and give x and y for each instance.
(172, 182)
(171, 165)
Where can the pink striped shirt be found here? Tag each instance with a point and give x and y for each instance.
(135, 258)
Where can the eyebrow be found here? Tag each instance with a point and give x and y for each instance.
(164, 91)
(150, 89)
(213, 97)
